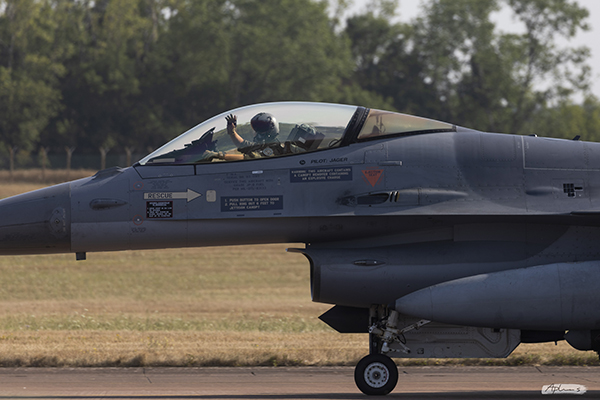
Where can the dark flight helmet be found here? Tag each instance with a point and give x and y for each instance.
(265, 125)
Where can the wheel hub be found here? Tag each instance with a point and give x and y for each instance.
(376, 375)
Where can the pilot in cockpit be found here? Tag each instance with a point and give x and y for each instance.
(264, 143)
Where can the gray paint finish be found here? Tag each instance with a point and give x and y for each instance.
(438, 222)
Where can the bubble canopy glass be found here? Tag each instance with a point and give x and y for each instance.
(325, 122)
(303, 127)
(381, 123)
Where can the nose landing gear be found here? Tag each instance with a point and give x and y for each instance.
(377, 374)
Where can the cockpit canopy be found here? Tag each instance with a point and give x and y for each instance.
(303, 127)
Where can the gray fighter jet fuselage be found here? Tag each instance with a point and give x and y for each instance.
(439, 241)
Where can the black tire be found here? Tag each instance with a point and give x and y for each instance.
(376, 375)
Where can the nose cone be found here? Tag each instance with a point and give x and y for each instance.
(36, 222)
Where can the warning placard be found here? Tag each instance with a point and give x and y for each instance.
(251, 203)
(159, 209)
(321, 174)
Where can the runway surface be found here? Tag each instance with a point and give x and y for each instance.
(288, 383)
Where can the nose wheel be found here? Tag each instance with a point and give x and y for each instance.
(376, 374)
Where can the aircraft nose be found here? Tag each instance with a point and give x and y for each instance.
(36, 222)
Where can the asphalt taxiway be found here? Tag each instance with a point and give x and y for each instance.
(288, 383)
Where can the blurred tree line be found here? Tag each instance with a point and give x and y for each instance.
(125, 76)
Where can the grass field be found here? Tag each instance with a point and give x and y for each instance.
(219, 306)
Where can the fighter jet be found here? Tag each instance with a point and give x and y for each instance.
(436, 240)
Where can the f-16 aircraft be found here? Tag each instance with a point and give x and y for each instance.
(436, 240)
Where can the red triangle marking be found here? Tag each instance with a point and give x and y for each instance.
(372, 175)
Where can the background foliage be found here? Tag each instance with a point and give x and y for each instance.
(107, 77)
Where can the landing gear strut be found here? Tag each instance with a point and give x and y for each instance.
(377, 374)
